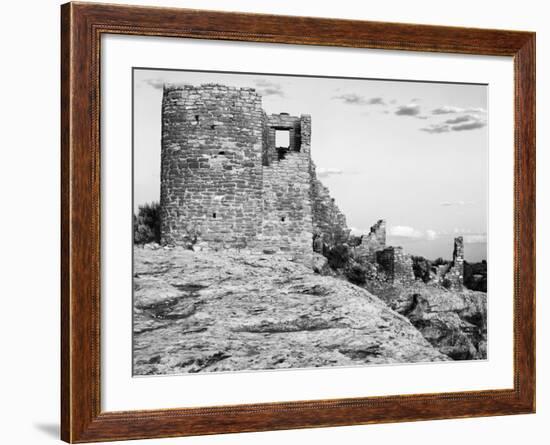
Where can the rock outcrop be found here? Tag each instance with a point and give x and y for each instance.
(454, 322)
(202, 312)
(273, 277)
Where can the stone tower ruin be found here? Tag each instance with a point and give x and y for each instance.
(227, 183)
(454, 277)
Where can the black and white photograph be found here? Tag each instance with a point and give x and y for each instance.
(306, 222)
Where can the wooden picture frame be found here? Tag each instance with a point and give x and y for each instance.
(82, 25)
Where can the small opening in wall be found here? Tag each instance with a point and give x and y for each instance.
(212, 127)
(282, 139)
(221, 152)
(214, 215)
(283, 219)
(196, 117)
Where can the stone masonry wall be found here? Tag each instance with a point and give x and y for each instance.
(329, 223)
(454, 277)
(287, 211)
(225, 183)
(211, 169)
(396, 264)
(372, 242)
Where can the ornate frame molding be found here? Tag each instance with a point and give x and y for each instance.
(82, 25)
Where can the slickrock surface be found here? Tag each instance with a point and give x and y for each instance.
(453, 321)
(230, 311)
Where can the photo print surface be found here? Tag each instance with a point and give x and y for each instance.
(298, 222)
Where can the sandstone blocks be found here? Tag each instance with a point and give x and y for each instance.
(226, 184)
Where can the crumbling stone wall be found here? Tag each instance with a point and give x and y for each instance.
(372, 242)
(211, 169)
(438, 273)
(329, 223)
(396, 264)
(451, 274)
(454, 277)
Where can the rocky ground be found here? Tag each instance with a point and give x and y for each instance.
(206, 312)
(455, 323)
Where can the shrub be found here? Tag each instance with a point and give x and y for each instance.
(147, 224)
(357, 274)
(421, 268)
(440, 262)
(475, 276)
(339, 256)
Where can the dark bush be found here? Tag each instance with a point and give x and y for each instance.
(357, 274)
(147, 224)
(355, 240)
(440, 261)
(339, 256)
(421, 268)
(475, 276)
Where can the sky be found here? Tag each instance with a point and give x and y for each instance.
(413, 153)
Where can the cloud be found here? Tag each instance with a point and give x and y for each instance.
(459, 123)
(467, 122)
(431, 234)
(412, 234)
(476, 110)
(408, 110)
(326, 172)
(478, 238)
(449, 109)
(405, 232)
(422, 117)
(355, 231)
(456, 203)
(376, 101)
(157, 84)
(351, 99)
(264, 83)
(268, 88)
(436, 128)
(459, 119)
(473, 125)
(356, 99)
(462, 231)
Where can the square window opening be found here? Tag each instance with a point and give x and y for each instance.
(282, 139)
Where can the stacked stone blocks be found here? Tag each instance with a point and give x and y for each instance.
(396, 264)
(454, 278)
(372, 242)
(225, 184)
